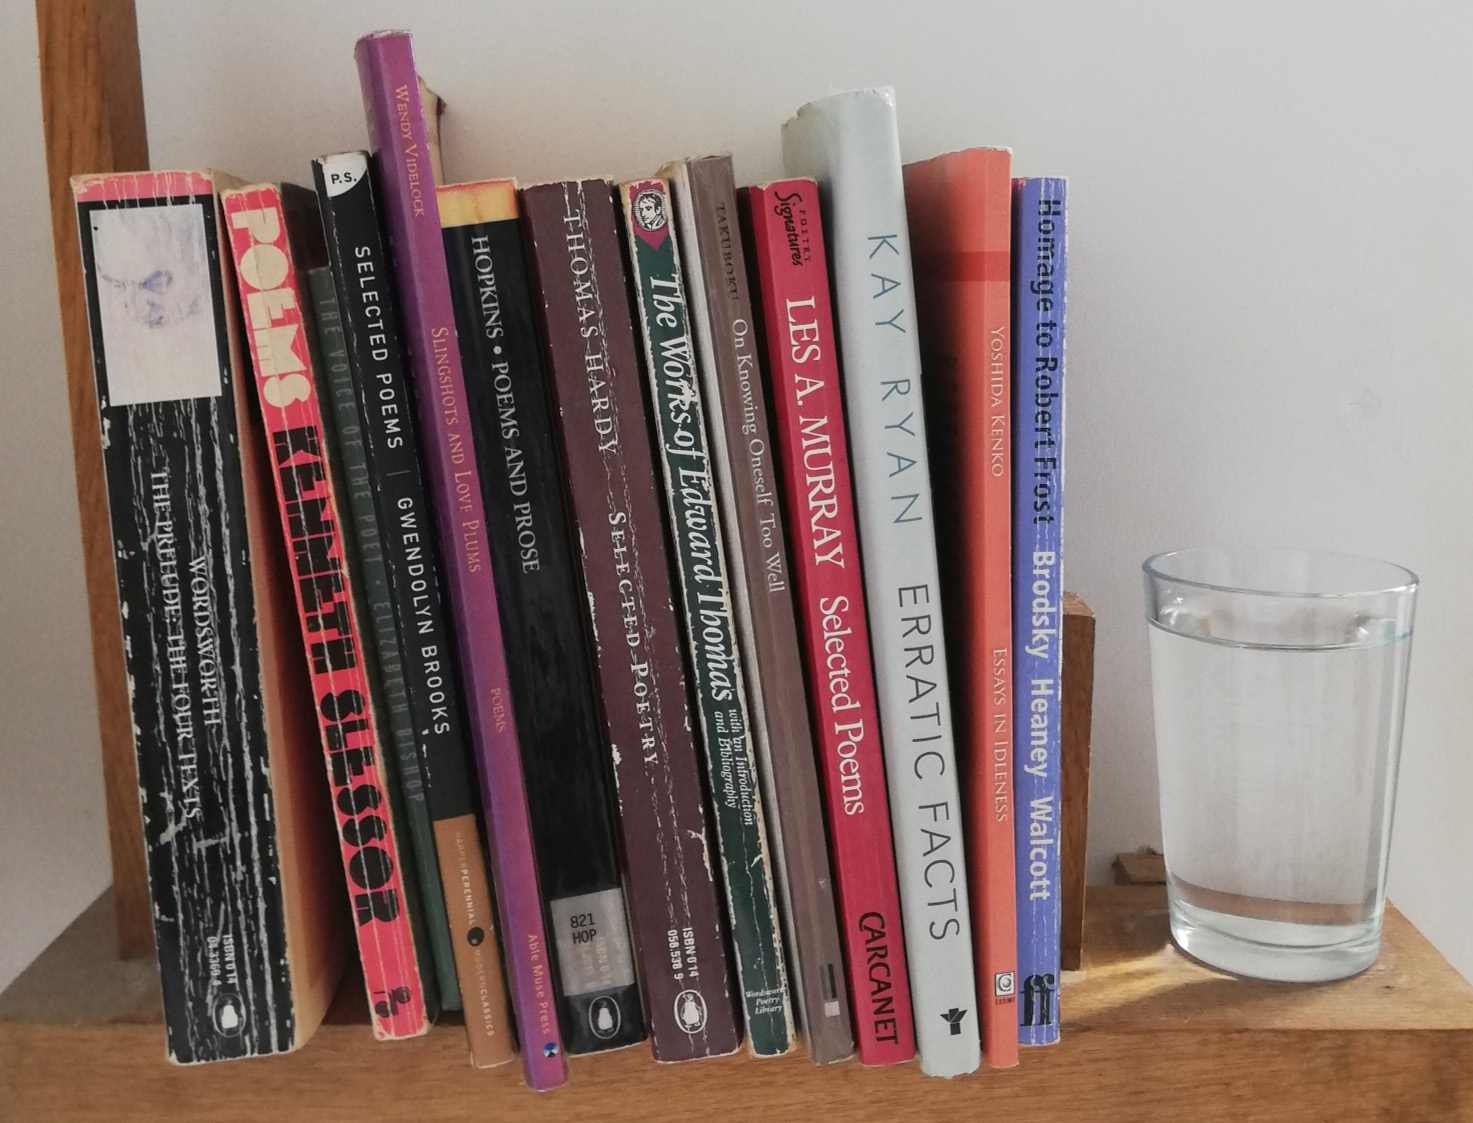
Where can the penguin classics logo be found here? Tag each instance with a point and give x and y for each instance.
(648, 209)
(604, 1017)
(690, 1011)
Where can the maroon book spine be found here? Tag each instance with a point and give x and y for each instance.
(583, 298)
(787, 242)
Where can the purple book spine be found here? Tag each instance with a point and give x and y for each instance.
(400, 143)
(1038, 592)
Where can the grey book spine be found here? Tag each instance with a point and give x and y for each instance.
(850, 144)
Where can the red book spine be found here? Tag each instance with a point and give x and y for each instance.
(272, 299)
(787, 242)
(959, 209)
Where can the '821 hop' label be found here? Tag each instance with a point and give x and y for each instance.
(596, 962)
(593, 949)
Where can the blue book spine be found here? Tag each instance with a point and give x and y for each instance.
(1038, 591)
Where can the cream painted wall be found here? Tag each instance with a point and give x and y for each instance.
(1267, 345)
(53, 831)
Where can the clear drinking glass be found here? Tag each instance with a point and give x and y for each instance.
(1279, 682)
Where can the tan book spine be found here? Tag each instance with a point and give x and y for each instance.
(727, 350)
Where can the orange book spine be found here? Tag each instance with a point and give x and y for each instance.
(959, 213)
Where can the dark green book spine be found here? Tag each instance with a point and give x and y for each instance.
(385, 667)
(716, 663)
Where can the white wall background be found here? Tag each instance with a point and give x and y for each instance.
(1267, 344)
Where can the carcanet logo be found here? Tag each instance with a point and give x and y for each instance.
(954, 1019)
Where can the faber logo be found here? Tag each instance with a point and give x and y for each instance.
(1038, 1000)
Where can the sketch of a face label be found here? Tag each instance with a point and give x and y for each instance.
(154, 301)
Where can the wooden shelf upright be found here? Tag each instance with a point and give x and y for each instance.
(1148, 1034)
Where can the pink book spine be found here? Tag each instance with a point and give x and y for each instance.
(272, 300)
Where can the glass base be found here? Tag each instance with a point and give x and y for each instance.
(1275, 950)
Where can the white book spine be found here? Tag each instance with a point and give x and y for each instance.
(850, 144)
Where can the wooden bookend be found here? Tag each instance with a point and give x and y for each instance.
(1144, 867)
(92, 113)
(1078, 696)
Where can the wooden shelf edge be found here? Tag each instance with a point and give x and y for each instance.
(57, 1073)
(1148, 1034)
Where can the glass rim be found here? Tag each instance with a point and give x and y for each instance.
(1152, 569)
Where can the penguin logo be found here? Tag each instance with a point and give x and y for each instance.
(604, 1017)
(227, 1016)
(690, 1011)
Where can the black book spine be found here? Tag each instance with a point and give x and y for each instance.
(363, 275)
(545, 629)
(368, 576)
(171, 433)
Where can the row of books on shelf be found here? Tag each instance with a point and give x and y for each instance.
(667, 573)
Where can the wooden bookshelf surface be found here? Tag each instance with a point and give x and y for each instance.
(1148, 1035)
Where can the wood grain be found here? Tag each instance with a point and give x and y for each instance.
(1134, 978)
(92, 107)
(1149, 1036)
(1076, 702)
